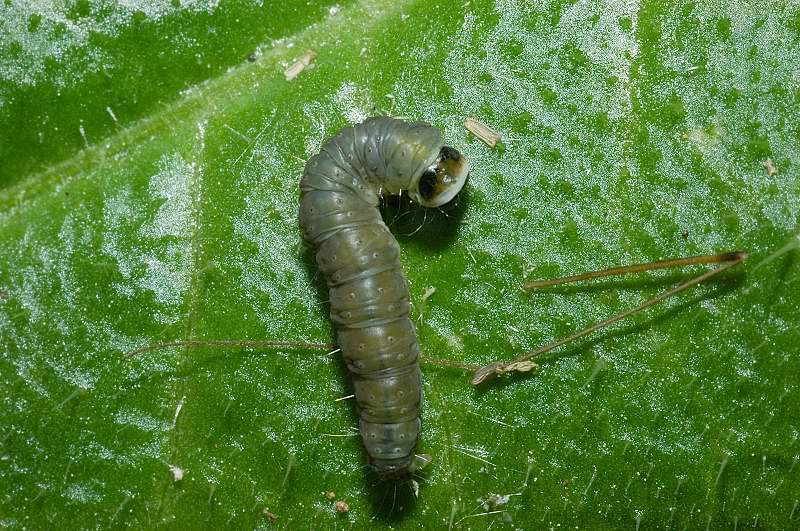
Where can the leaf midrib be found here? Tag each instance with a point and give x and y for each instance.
(200, 100)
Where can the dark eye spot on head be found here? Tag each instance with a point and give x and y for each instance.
(427, 184)
(448, 153)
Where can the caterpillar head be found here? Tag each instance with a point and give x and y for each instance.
(442, 180)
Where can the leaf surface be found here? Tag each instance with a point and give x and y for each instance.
(149, 193)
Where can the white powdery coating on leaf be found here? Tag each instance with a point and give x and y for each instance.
(93, 450)
(160, 259)
(117, 210)
(609, 51)
(171, 183)
(84, 492)
(77, 376)
(754, 60)
(353, 103)
(142, 420)
(541, 67)
(39, 32)
(522, 180)
(66, 275)
(169, 277)
(349, 100)
(23, 367)
(314, 139)
(273, 276)
(27, 293)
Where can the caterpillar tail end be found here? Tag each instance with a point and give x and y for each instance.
(393, 471)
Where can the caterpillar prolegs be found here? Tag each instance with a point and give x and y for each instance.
(355, 251)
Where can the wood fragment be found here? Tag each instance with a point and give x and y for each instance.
(298, 66)
(490, 502)
(487, 135)
(272, 516)
(518, 366)
(770, 167)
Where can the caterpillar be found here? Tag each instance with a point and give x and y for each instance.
(341, 189)
(339, 217)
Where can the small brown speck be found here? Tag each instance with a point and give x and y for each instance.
(342, 507)
(272, 516)
(330, 495)
(685, 234)
(3, 294)
(770, 167)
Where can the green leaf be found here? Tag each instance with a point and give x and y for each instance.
(151, 157)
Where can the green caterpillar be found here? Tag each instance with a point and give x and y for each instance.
(340, 192)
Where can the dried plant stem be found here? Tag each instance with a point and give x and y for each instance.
(522, 362)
